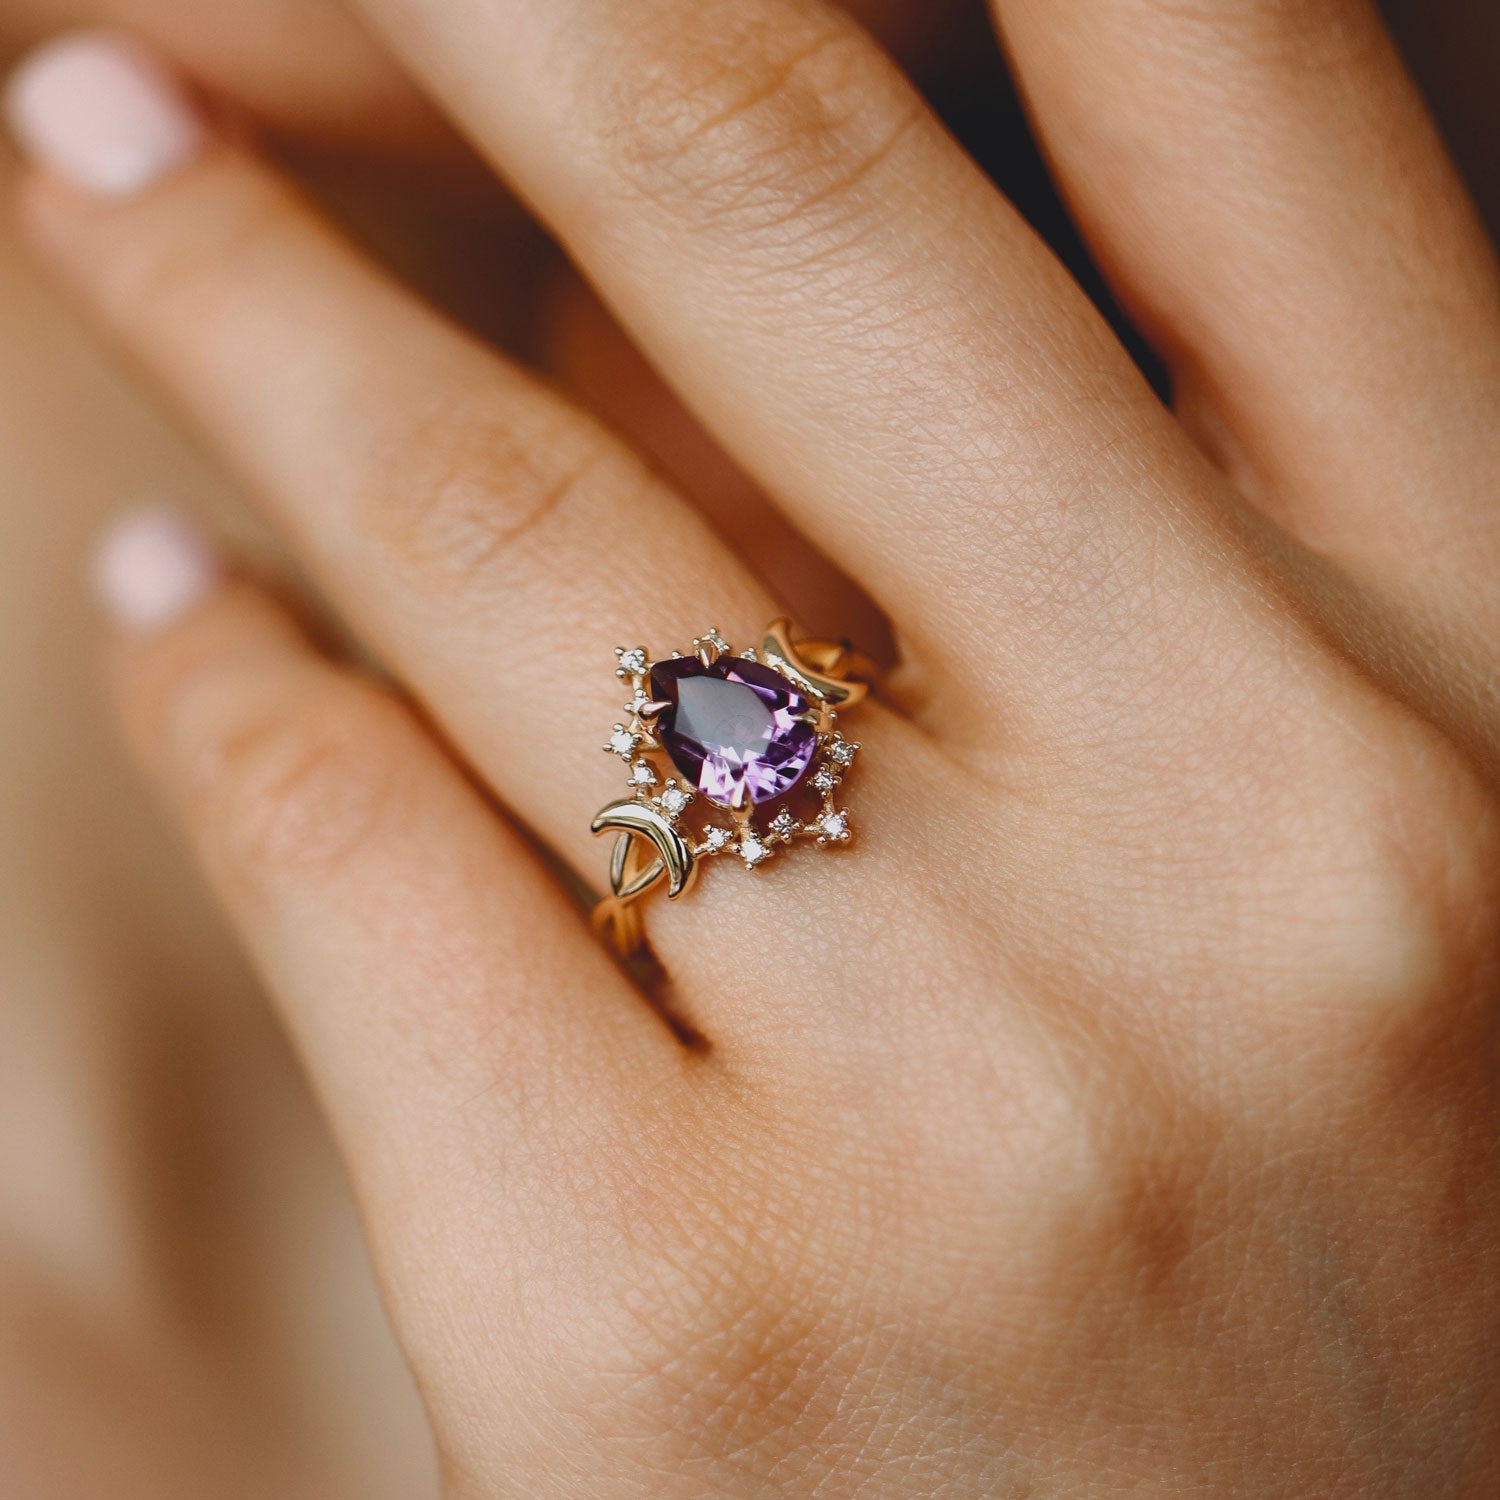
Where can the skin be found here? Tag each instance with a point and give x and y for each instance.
(1149, 1148)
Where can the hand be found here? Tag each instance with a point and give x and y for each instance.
(1118, 1116)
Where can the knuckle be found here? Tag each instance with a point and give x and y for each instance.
(303, 786)
(181, 277)
(750, 124)
(1401, 907)
(462, 498)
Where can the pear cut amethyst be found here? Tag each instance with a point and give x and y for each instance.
(735, 729)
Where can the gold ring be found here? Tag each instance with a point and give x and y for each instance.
(754, 743)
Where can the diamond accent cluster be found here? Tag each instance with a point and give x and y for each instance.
(741, 740)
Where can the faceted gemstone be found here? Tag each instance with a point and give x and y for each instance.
(736, 730)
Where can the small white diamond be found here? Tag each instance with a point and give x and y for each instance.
(825, 780)
(784, 825)
(622, 742)
(641, 774)
(752, 851)
(835, 827)
(632, 662)
(714, 639)
(716, 838)
(674, 801)
(842, 752)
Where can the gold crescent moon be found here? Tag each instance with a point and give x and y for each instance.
(633, 820)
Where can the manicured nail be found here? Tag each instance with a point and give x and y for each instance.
(151, 567)
(99, 110)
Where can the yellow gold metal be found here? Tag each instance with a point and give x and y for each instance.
(651, 850)
(637, 822)
(647, 851)
(830, 671)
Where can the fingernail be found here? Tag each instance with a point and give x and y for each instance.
(151, 567)
(99, 110)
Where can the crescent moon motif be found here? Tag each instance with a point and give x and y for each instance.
(674, 861)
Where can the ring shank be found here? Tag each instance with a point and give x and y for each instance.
(618, 917)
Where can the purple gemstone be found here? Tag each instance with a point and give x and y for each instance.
(736, 729)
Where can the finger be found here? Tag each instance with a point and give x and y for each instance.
(587, 350)
(1261, 180)
(782, 223)
(443, 992)
(488, 541)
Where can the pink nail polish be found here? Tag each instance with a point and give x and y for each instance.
(99, 110)
(152, 567)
